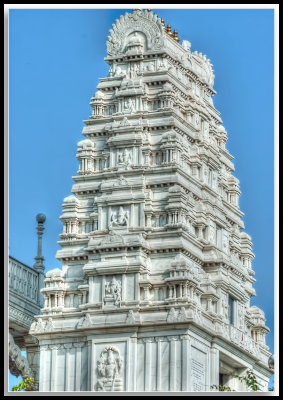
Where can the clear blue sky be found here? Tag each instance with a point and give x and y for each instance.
(55, 60)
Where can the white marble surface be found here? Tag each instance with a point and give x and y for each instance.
(151, 247)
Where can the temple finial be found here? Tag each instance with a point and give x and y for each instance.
(168, 29)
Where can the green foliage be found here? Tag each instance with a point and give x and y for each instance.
(249, 379)
(222, 388)
(26, 385)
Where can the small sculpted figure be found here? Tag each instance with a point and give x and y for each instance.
(129, 106)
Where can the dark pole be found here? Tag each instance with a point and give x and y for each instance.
(39, 266)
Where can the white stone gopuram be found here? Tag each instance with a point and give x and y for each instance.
(156, 280)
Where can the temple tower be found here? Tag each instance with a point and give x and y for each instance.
(156, 280)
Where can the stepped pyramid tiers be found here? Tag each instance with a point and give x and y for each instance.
(154, 291)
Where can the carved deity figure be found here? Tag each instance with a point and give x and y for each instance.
(125, 158)
(205, 175)
(49, 326)
(129, 106)
(135, 40)
(113, 291)
(225, 308)
(37, 326)
(186, 45)
(119, 72)
(85, 321)
(107, 290)
(121, 158)
(135, 44)
(150, 67)
(124, 122)
(121, 219)
(116, 291)
(109, 368)
(163, 65)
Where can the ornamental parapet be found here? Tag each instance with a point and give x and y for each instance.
(23, 281)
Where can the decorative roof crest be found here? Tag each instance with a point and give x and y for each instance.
(146, 24)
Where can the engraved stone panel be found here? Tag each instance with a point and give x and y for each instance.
(198, 370)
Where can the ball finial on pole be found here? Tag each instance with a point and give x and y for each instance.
(39, 259)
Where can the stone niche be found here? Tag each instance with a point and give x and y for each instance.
(153, 362)
(135, 43)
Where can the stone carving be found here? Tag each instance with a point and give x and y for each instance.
(37, 326)
(132, 318)
(113, 238)
(121, 181)
(120, 218)
(174, 316)
(129, 106)
(109, 368)
(85, 321)
(186, 45)
(163, 65)
(119, 72)
(212, 232)
(125, 159)
(135, 44)
(19, 316)
(198, 316)
(49, 326)
(139, 21)
(18, 364)
(224, 305)
(182, 317)
(113, 292)
(124, 122)
(150, 67)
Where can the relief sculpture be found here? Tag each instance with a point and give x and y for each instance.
(120, 218)
(109, 368)
(113, 293)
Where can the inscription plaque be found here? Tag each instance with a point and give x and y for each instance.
(198, 370)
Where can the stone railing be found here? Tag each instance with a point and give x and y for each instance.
(23, 280)
(241, 339)
(244, 340)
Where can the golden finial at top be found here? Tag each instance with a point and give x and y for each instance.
(175, 36)
(168, 30)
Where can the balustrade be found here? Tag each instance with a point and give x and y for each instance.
(23, 280)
